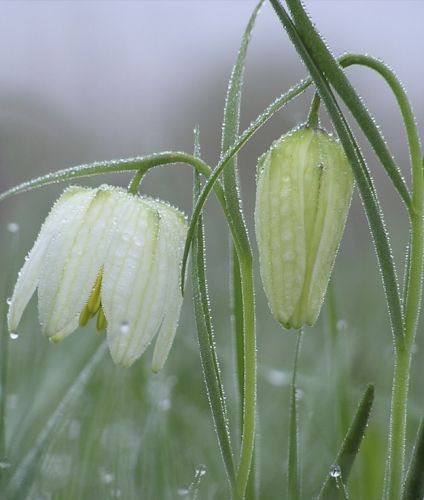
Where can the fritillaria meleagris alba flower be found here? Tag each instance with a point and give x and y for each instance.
(112, 255)
(304, 189)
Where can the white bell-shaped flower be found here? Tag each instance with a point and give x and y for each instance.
(104, 252)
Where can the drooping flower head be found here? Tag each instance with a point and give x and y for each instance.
(304, 188)
(107, 254)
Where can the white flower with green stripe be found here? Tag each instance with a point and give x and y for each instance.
(106, 254)
(304, 189)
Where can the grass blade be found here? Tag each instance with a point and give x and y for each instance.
(349, 448)
(414, 484)
(205, 334)
(230, 130)
(22, 479)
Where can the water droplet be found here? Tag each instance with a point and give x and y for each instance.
(8, 301)
(12, 227)
(165, 404)
(124, 327)
(200, 470)
(335, 471)
(183, 491)
(105, 475)
(13, 335)
(277, 377)
(4, 463)
(117, 493)
(341, 325)
(299, 394)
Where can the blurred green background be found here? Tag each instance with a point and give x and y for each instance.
(98, 80)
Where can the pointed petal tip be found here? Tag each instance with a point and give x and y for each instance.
(56, 336)
(121, 361)
(157, 365)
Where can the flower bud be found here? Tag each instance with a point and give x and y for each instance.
(304, 188)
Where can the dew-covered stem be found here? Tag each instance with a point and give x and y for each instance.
(250, 374)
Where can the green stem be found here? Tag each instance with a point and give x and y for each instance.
(135, 182)
(140, 163)
(249, 410)
(313, 116)
(293, 482)
(396, 452)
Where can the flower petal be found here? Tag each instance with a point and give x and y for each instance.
(57, 313)
(131, 278)
(174, 230)
(28, 277)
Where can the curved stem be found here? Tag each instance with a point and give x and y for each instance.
(413, 291)
(140, 163)
(134, 185)
(398, 415)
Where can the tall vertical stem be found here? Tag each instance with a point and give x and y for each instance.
(249, 409)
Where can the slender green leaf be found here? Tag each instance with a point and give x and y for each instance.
(367, 192)
(335, 75)
(293, 482)
(25, 472)
(206, 340)
(414, 484)
(230, 130)
(142, 163)
(349, 448)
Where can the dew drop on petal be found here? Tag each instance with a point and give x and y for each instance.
(13, 335)
(8, 301)
(124, 327)
(4, 463)
(12, 227)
